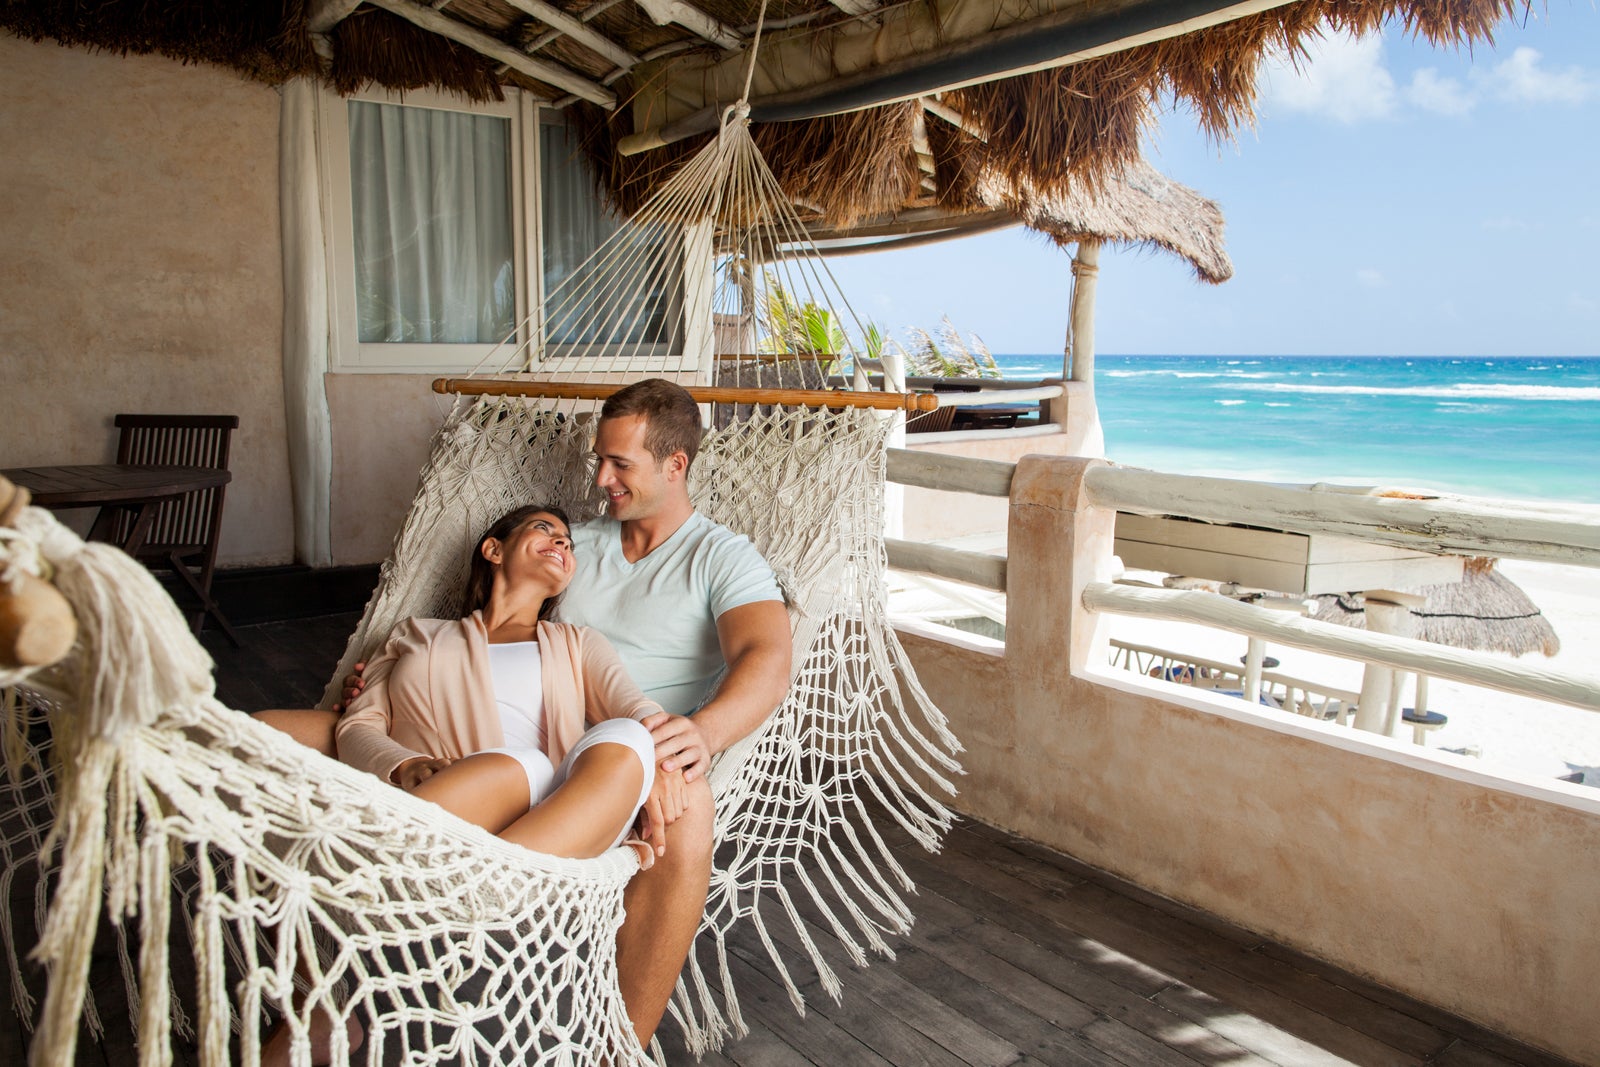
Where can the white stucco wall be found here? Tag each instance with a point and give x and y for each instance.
(140, 266)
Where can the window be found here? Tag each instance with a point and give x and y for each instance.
(447, 220)
(430, 200)
(637, 287)
(429, 222)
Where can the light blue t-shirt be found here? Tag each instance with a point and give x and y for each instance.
(661, 612)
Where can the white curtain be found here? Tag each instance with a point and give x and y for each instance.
(305, 325)
(431, 200)
(626, 300)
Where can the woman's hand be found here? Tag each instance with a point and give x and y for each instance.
(662, 808)
(413, 772)
(353, 684)
(680, 746)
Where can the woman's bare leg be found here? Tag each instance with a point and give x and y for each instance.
(489, 789)
(585, 815)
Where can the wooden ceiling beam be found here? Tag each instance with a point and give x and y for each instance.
(574, 28)
(694, 20)
(1055, 40)
(494, 48)
(324, 15)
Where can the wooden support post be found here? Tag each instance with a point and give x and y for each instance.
(1084, 435)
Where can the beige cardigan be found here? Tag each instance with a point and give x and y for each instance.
(430, 693)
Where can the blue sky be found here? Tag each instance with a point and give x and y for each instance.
(1392, 199)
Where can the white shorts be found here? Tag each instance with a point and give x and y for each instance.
(544, 778)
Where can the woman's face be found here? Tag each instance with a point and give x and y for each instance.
(539, 550)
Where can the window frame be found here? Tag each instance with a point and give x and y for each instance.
(347, 352)
(659, 358)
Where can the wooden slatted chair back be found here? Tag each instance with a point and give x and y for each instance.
(186, 529)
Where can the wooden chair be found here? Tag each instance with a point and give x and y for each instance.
(183, 537)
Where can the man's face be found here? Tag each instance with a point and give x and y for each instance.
(635, 484)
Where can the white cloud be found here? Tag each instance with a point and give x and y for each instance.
(1581, 304)
(1521, 79)
(1344, 79)
(1442, 96)
(1371, 278)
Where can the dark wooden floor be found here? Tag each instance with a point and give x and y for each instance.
(1020, 955)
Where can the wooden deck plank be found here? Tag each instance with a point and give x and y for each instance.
(887, 986)
(1394, 1028)
(1030, 910)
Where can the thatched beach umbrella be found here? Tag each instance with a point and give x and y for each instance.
(1484, 611)
(1139, 207)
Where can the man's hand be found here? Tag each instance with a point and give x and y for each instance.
(353, 684)
(680, 746)
(664, 807)
(413, 772)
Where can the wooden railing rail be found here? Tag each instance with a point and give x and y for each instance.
(1552, 533)
(957, 474)
(1397, 653)
(956, 564)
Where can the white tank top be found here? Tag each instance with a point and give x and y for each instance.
(517, 676)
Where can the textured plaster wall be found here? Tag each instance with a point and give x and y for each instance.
(382, 424)
(140, 267)
(1473, 896)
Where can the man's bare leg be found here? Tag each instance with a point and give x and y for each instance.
(312, 728)
(664, 907)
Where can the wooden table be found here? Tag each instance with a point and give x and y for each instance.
(115, 489)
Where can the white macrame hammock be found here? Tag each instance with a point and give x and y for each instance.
(294, 872)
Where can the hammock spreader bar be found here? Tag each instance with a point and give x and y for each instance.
(704, 394)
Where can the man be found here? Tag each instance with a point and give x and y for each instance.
(680, 597)
(683, 600)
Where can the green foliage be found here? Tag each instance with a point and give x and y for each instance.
(811, 329)
(948, 355)
(806, 329)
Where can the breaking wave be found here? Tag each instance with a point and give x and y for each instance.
(1459, 391)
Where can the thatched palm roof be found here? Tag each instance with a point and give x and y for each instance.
(1139, 207)
(1485, 611)
(1096, 72)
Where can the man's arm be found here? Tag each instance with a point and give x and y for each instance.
(755, 643)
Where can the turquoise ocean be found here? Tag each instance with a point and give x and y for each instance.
(1515, 427)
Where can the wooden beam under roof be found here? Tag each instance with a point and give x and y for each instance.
(1070, 34)
(480, 42)
(692, 19)
(576, 29)
(324, 15)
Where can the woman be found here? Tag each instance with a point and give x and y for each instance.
(486, 715)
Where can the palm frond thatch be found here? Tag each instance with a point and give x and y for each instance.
(1055, 133)
(1485, 611)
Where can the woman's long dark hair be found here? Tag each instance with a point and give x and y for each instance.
(480, 579)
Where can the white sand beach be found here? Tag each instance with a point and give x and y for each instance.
(1511, 733)
(1517, 735)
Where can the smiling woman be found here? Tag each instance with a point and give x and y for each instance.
(486, 715)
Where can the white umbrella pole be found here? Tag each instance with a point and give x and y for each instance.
(1387, 612)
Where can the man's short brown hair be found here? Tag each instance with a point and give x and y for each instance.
(672, 418)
